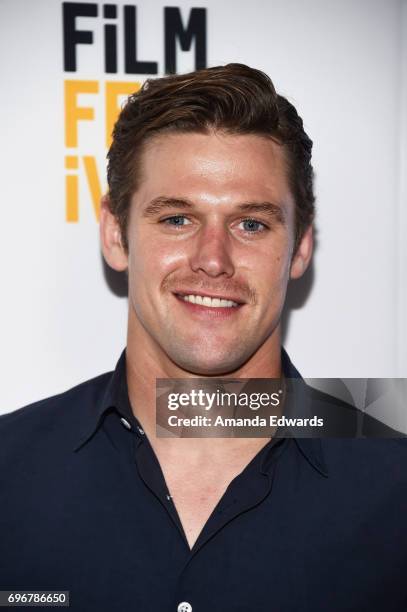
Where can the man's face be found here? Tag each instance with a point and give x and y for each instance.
(211, 235)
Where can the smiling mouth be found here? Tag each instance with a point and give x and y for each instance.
(207, 301)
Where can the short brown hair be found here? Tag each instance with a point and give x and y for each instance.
(235, 99)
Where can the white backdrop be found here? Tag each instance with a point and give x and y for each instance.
(342, 63)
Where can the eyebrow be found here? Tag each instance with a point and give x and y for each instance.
(159, 204)
(156, 206)
(274, 211)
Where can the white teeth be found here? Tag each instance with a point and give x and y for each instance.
(207, 301)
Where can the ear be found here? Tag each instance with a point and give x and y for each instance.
(110, 238)
(303, 254)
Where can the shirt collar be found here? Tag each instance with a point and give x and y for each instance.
(310, 448)
(116, 397)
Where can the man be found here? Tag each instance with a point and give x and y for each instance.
(210, 211)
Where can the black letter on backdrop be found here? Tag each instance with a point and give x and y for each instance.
(132, 65)
(110, 12)
(174, 29)
(73, 37)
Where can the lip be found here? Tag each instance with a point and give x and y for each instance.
(208, 312)
(231, 298)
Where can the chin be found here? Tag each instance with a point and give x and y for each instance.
(210, 366)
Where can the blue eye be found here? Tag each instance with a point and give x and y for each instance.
(176, 221)
(252, 226)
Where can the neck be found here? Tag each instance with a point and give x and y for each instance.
(146, 361)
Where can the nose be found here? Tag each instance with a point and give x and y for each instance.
(212, 252)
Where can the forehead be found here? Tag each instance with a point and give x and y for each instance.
(215, 165)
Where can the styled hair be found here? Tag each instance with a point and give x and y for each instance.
(234, 99)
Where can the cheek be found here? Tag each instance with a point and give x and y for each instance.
(151, 261)
(270, 278)
(269, 267)
(274, 281)
(282, 266)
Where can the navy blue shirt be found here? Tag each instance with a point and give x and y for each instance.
(310, 525)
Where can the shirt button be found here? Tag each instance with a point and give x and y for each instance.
(125, 423)
(141, 431)
(184, 607)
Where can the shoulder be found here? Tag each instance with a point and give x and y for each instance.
(369, 463)
(344, 419)
(57, 417)
(369, 454)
